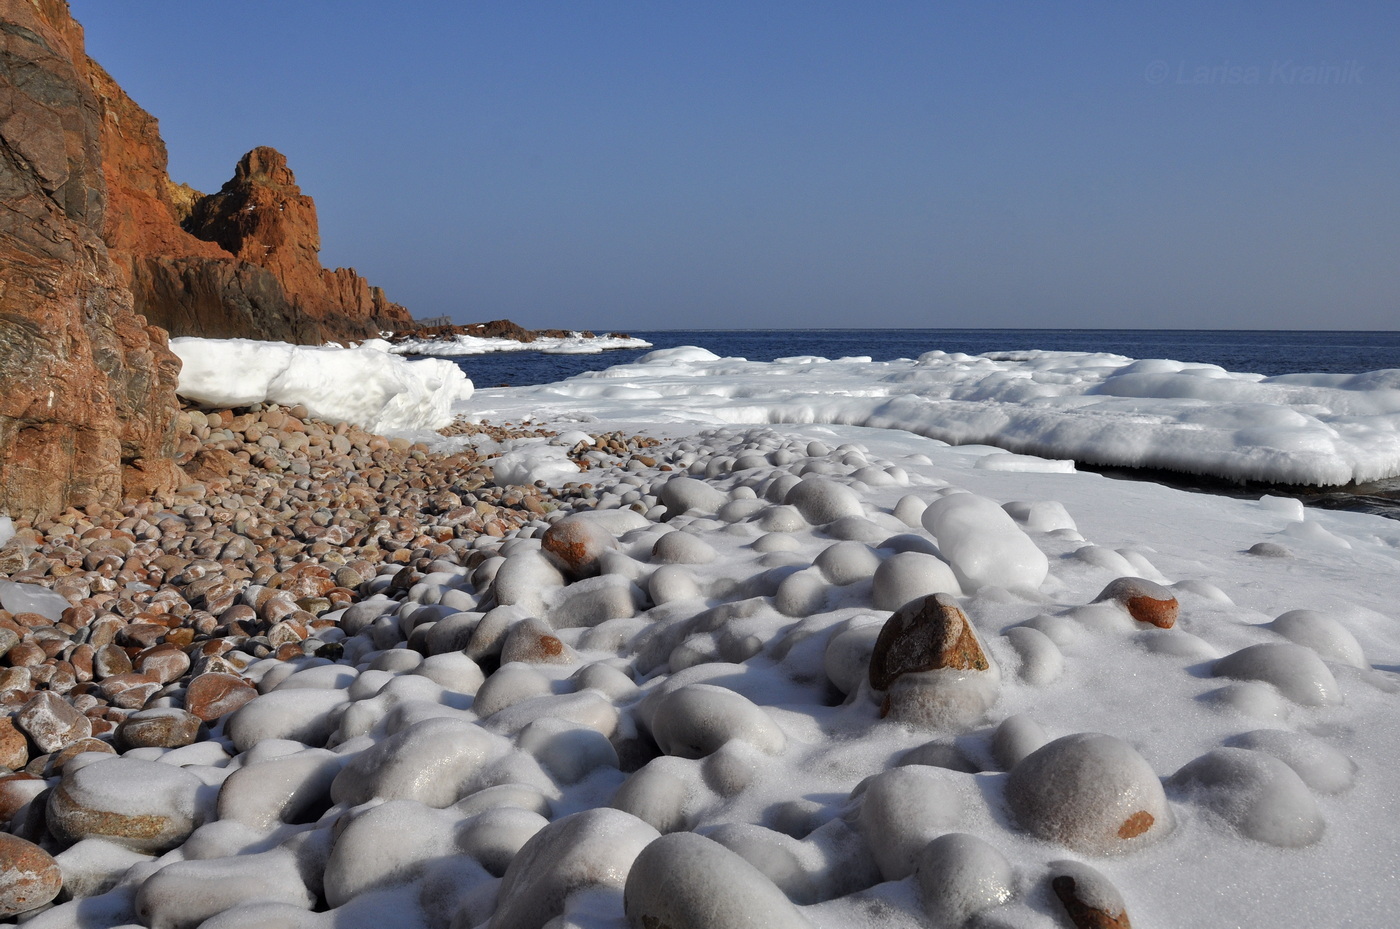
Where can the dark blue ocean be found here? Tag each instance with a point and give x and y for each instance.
(1255, 351)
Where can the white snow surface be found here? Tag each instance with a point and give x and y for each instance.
(720, 689)
(575, 344)
(367, 385)
(1101, 409)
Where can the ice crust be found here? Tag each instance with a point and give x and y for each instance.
(1096, 408)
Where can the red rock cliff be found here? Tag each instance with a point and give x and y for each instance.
(251, 268)
(87, 389)
(262, 217)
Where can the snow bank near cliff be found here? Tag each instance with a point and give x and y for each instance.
(365, 385)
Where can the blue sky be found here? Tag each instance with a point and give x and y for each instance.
(645, 165)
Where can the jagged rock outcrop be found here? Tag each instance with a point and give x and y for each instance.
(87, 388)
(240, 263)
(262, 218)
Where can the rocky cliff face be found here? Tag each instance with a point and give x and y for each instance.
(96, 242)
(87, 389)
(261, 217)
(241, 263)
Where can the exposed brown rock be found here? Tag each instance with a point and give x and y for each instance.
(29, 876)
(216, 694)
(14, 747)
(51, 722)
(261, 217)
(160, 728)
(1145, 601)
(923, 635)
(85, 384)
(1084, 914)
(576, 543)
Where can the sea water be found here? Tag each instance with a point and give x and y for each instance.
(1254, 351)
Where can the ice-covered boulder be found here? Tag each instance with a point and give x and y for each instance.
(1295, 670)
(959, 876)
(580, 853)
(145, 805)
(1091, 792)
(1254, 793)
(983, 544)
(686, 881)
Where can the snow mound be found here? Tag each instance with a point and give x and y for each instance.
(366, 385)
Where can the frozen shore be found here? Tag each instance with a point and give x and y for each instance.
(1115, 693)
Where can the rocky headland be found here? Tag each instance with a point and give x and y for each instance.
(102, 256)
(495, 329)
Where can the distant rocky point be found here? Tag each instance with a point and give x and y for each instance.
(496, 329)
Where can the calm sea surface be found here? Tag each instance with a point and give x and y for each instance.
(1259, 352)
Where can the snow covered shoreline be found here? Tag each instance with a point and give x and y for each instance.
(1307, 429)
(1177, 701)
(699, 665)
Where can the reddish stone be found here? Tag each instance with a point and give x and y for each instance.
(1145, 601)
(51, 722)
(576, 543)
(16, 790)
(59, 758)
(14, 747)
(26, 655)
(141, 635)
(164, 662)
(929, 633)
(105, 629)
(82, 660)
(159, 728)
(289, 651)
(29, 876)
(215, 694)
(110, 661)
(1082, 913)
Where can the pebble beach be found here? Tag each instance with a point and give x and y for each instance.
(546, 673)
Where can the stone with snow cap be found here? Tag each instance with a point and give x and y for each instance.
(29, 876)
(1090, 792)
(680, 494)
(1090, 899)
(959, 876)
(587, 851)
(1297, 671)
(1145, 601)
(983, 544)
(145, 805)
(1256, 794)
(906, 576)
(696, 719)
(821, 500)
(575, 543)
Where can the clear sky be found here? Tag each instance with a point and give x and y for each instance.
(665, 165)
